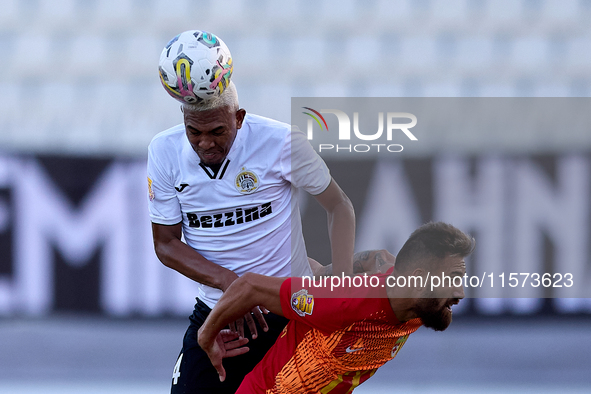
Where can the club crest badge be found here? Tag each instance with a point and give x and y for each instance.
(302, 302)
(247, 182)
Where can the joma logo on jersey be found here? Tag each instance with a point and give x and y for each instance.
(230, 218)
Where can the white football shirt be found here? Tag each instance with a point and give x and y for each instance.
(245, 217)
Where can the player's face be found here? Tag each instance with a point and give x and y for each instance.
(211, 133)
(435, 308)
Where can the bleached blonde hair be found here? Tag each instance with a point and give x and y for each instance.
(228, 98)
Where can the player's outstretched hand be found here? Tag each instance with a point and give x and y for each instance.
(258, 314)
(225, 345)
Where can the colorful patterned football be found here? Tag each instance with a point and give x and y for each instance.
(195, 65)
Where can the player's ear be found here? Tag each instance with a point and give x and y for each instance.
(240, 117)
(419, 272)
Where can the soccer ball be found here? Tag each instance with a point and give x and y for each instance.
(194, 66)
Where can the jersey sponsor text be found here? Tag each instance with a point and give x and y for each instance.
(230, 218)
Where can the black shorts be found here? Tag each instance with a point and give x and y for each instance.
(193, 372)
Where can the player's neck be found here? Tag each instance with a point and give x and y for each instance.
(402, 302)
(214, 167)
(403, 308)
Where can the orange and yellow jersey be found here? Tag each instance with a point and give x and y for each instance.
(330, 345)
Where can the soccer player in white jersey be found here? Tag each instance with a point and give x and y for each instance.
(225, 180)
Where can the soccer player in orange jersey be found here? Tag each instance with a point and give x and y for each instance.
(331, 345)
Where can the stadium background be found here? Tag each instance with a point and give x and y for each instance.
(84, 304)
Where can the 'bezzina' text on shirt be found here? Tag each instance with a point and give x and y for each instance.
(231, 218)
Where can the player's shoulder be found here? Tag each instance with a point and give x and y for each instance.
(266, 126)
(168, 139)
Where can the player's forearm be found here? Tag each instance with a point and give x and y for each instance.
(372, 261)
(185, 260)
(366, 262)
(240, 298)
(341, 228)
(235, 303)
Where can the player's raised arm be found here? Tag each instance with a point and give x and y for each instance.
(245, 294)
(341, 227)
(367, 262)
